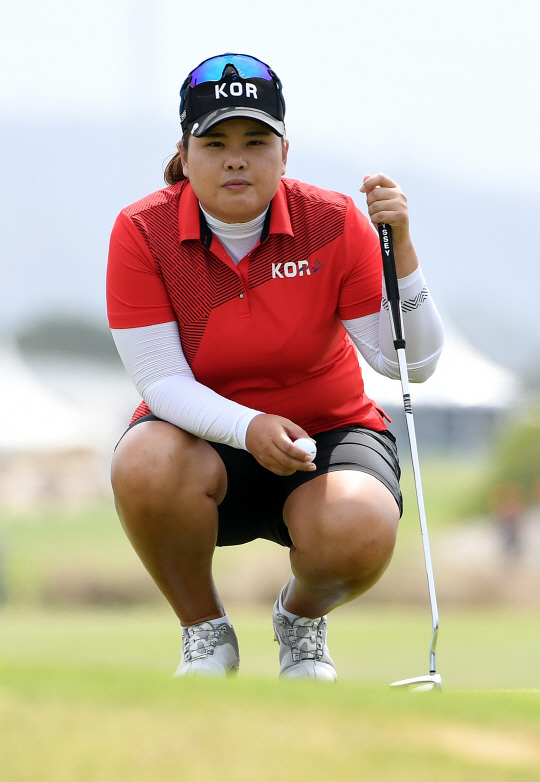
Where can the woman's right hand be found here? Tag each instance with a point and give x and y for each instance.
(270, 439)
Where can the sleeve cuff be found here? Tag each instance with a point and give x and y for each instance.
(416, 278)
(242, 427)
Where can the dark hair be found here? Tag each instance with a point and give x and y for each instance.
(173, 170)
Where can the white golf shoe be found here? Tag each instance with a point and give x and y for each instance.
(209, 649)
(303, 653)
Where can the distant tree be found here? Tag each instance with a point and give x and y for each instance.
(515, 462)
(531, 377)
(68, 336)
(518, 457)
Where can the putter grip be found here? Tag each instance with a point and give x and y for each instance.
(391, 281)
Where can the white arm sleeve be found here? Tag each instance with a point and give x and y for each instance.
(422, 329)
(155, 362)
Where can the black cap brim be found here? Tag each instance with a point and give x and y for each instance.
(207, 121)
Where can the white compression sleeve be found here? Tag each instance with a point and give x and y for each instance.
(422, 327)
(155, 362)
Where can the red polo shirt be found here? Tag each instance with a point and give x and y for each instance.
(266, 333)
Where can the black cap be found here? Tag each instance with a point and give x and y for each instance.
(232, 97)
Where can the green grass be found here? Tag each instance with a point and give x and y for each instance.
(116, 726)
(448, 484)
(37, 546)
(88, 696)
(495, 649)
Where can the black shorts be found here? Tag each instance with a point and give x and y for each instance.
(253, 505)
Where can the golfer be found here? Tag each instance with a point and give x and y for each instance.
(237, 299)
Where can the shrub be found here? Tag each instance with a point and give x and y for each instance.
(515, 463)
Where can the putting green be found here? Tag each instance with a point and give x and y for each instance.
(77, 723)
(87, 696)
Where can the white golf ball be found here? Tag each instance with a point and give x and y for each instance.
(307, 445)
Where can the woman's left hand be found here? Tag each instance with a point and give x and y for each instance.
(387, 203)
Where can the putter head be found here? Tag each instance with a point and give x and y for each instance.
(421, 683)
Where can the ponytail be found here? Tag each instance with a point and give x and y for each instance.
(173, 170)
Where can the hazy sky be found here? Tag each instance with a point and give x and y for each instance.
(444, 95)
(453, 86)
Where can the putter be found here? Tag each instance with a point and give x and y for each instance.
(433, 680)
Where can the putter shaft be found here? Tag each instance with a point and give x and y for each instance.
(421, 507)
(396, 323)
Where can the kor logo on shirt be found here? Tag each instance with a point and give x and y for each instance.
(290, 269)
(236, 90)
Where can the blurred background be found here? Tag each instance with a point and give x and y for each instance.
(441, 96)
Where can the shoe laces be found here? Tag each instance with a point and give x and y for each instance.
(200, 641)
(305, 637)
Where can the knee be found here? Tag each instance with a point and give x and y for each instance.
(353, 546)
(153, 464)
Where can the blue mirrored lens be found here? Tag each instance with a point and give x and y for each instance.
(247, 68)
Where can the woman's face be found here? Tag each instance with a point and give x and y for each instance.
(235, 169)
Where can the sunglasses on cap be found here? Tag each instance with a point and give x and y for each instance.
(246, 66)
(231, 86)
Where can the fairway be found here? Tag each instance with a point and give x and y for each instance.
(481, 649)
(88, 696)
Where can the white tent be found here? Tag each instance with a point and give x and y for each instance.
(460, 407)
(464, 378)
(34, 419)
(466, 387)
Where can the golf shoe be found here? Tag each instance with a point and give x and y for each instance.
(209, 649)
(303, 653)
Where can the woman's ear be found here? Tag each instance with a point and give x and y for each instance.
(183, 158)
(285, 152)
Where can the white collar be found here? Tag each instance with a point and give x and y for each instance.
(238, 230)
